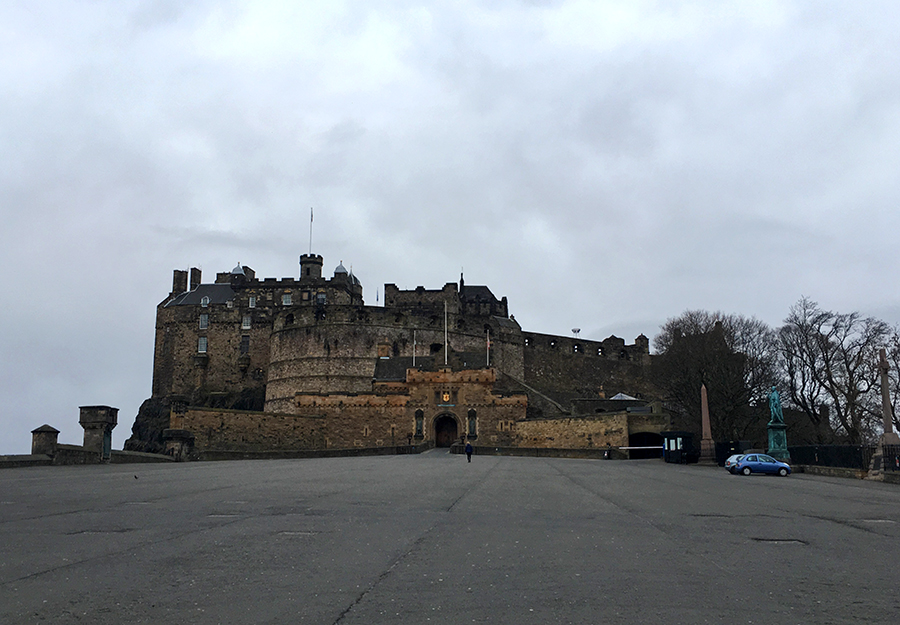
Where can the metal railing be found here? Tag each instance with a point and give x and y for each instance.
(891, 459)
(846, 456)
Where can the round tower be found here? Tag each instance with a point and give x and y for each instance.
(310, 267)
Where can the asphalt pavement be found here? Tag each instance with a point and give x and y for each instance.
(434, 539)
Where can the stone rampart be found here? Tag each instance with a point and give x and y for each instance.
(574, 432)
(237, 430)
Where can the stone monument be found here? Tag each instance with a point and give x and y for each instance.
(777, 429)
(707, 445)
(889, 437)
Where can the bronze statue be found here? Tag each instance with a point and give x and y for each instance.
(775, 407)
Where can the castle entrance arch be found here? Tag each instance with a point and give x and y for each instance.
(645, 445)
(446, 430)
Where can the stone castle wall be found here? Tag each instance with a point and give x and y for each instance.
(564, 367)
(586, 432)
(179, 369)
(336, 350)
(329, 350)
(235, 430)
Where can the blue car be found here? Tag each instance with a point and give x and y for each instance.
(761, 463)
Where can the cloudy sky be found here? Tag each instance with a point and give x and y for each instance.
(605, 165)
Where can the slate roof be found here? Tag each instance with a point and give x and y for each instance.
(477, 293)
(217, 294)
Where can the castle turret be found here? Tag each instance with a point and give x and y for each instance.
(310, 267)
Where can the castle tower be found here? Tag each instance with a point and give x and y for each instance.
(310, 267)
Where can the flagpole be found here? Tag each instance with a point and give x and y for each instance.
(310, 229)
(446, 340)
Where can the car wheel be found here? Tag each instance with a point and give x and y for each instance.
(746, 471)
(782, 472)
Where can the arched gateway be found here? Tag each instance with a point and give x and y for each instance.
(649, 445)
(446, 430)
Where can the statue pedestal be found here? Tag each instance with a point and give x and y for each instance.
(876, 467)
(707, 452)
(778, 442)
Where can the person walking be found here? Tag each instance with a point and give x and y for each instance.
(469, 451)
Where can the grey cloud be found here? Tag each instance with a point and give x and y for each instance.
(734, 166)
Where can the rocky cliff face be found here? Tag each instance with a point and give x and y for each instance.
(153, 415)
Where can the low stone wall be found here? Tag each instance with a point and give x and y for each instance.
(137, 457)
(891, 477)
(813, 469)
(25, 460)
(214, 454)
(75, 454)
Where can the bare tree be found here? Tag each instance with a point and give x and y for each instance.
(799, 349)
(734, 356)
(832, 359)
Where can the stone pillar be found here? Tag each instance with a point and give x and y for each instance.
(98, 423)
(707, 445)
(889, 437)
(44, 440)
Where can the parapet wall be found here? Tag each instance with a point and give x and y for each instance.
(235, 430)
(587, 432)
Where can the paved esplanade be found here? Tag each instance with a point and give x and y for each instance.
(431, 538)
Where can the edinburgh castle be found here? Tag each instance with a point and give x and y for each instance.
(267, 365)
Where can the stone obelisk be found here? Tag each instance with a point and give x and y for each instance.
(707, 446)
(889, 437)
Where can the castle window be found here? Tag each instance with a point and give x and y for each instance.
(245, 322)
(420, 423)
(245, 344)
(286, 299)
(201, 345)
(599, 351)
(320, 299)
(365, 430)
(289, 320)
(304, 296)
(576, 349)
(204, 321)
(552, 343)
(252, 302)
(527, 342)
(204, 301)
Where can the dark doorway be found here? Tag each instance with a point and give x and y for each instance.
(645, 439)
(445, 432)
